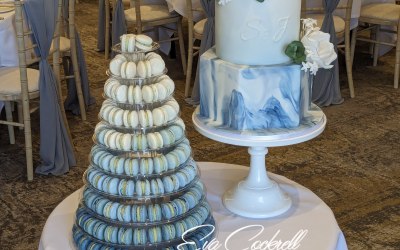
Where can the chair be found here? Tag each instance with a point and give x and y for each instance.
(154, 17)
(374, 16)
(342, 29)
(109, 6)
(20, 85)
(195, 32)
(66, 40)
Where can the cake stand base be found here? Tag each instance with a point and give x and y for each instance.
(257, 196)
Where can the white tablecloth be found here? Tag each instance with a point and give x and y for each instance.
(8, 40)
(308, 215)
(180, 7)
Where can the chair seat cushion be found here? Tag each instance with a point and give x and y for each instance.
(10, 83)
(65, 45)
(338, 21)
(199, 26)
(148, 13)
(382, 11)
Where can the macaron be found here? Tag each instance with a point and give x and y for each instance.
(116, 63)
(124, 213)
(154, 140)
(139, 213)
(180, 227)
(126, 142)
(147, 94)
(118, 117)
(123, 69)
(109, 84)
(125, 236)
(110, 210)
(130, 70)
(113, 186)
(155, 92)
(168, 232)
(160, 164)
(150, 55)
(137, 95)
(139, 236)
(168, 184)
(154, 212)
(162, 91)
(141, 69)
(131, 97)
(128, 42)
(122, 94)
(155, 235)
(143, 42)
(131, 167)
(157, 66)
(133, 119)
(168, 84)
(173, 161)
(143, 118)
(169, 111)
(167, 136)
(181, 206)
(125, 119)
(168, 210)
(99, 230)
(111, 234)
(146, 166)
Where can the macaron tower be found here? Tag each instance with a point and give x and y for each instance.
(142, 188)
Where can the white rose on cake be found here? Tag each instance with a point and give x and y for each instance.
(319, 49)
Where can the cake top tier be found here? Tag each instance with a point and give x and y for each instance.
(256, 32)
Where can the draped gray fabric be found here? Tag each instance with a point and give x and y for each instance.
(71, 103)
(56, 150)
(326, 86)
(207, 41)
(118, 23)
(101, 26)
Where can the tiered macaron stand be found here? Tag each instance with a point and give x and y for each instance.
(258, 196)
(142, 187)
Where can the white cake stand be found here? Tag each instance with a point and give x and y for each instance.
(257, 196)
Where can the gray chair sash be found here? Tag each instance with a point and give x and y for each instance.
(326, 86)
(118, 23)
(207, 41)
(56, 149)
(101, 26)
(71, 103)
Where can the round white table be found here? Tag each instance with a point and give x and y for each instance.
(308, 224)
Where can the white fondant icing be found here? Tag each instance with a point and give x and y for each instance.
(254, 33)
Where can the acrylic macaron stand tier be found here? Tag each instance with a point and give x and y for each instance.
(142, 188)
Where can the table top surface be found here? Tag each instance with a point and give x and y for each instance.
(233, 232)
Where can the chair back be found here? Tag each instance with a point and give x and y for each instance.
(344, 10)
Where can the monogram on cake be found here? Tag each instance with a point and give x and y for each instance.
(247, 82)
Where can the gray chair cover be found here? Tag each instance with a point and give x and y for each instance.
(207, 41)
(118, 23)
(56, 150)
(71, 103)
(326, 86)
(101, 26)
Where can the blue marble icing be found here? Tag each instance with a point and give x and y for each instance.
(246, 97)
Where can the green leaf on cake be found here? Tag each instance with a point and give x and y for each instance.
(296, 51)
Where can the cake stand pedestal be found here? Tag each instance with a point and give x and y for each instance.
(258, 196)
